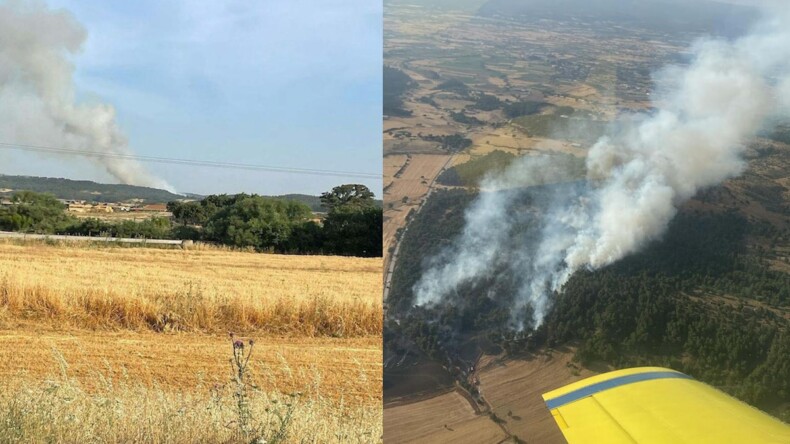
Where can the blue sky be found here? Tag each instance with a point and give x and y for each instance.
(290, 83)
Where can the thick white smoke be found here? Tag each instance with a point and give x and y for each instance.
(37, 98)
(636, 176)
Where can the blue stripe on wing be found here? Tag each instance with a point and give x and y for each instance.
(610, 384)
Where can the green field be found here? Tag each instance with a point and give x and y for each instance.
(562, 123)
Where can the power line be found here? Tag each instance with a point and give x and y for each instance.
(204, 163)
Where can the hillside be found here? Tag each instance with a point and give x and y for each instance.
(314, 202)
(85, 189)
(101, 192)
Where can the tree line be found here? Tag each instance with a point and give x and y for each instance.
(352, 225)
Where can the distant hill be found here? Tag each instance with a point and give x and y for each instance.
(86, 189)
(100, 192)
(658, 15)
(314, 202)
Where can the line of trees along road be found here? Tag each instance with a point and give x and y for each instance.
(351, 226)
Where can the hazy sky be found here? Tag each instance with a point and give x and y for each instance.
(290, 83)
(750, 2)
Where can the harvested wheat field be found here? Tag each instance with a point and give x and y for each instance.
(447, 418)
(514, 410)
(184, 290)
(514, 389)
(416, 177)
(117, 344)
(407, 189)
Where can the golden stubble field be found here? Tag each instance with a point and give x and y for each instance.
(512, 389)
(446, 418)
(114, 344)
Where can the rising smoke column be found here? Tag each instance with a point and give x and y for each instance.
(637, 175)
(37, 98)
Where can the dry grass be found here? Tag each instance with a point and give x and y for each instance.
(107, 344)
(61, 410)
(346, 370)
(190, 290)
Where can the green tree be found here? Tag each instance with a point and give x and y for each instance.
(187, 213)
(354, 231)
(352, 226)
(255, 221)
(347, 196)
(35, 212)
(306, 238)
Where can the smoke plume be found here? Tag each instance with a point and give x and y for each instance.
(37, 97)
(637, 176)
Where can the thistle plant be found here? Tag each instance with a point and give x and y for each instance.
(274, 426)
(239, 363)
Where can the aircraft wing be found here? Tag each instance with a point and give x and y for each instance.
(657, 405)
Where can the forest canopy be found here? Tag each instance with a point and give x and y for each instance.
(699, 301)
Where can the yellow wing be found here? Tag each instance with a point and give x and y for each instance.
(657, 405)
